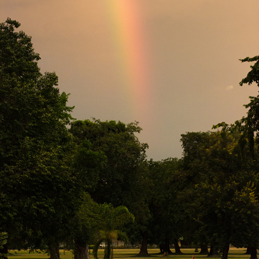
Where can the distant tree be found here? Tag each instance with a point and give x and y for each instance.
(113, 219)
(166, 210)
(121, 181)
(224, 191)
(85, 225)
(85, 165)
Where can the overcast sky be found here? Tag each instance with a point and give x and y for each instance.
(171, 65)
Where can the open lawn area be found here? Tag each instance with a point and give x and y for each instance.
(128, 253)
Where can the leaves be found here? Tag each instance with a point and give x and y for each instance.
(224, 192)
(253, 75)
(37, 186)
(112, 219)
(121, 179)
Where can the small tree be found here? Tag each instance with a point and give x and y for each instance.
(113, 219)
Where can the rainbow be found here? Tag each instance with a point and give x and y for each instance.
(129, 38)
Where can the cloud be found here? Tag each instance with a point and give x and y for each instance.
(230, 87)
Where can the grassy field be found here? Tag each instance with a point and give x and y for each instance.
(234, 253)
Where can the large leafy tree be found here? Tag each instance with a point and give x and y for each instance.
(121, 180)
(37, 186)
(248, 128)
(223, 191)
(192, 169)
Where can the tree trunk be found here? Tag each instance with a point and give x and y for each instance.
(108, 249)
(81, 250)
(225, 251)
(143, 249)
(253, 253)
(177, 247)
(162, 248)
(112, 253)
(248, 250)
(87, 252)
(167, 250)
(196, 249)
(54, 251)
(213, 251)
(4, 251)
(204, 249)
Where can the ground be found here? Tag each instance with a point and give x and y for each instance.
(234, 253)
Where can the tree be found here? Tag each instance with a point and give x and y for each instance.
(121, 180)
(248, 127)
(224, 191)
(250, 124)
(37, 186)
(167, 214)
(85, 225)
(112, 218)
(86, 165)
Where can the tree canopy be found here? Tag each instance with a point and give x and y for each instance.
(36, 183)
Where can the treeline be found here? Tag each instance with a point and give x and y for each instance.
(85, 182)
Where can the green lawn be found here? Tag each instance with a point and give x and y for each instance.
(129, 253)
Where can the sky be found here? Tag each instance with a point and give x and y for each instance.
(171, 65)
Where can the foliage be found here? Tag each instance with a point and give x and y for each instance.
(113, 218)
(167, 214)
(224, 190)
(253, 75)
(87, 163)
(3, 241)
(121, 181)
(85, 225)
(37, 186)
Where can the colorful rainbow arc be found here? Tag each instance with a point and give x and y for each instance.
(130, 42)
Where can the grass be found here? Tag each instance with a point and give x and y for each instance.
(234, 253)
